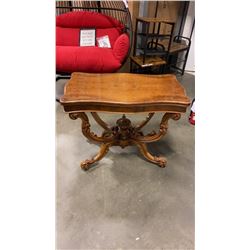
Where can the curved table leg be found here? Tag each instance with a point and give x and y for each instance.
(154, 159)
(104, 148)
(123, 134)
(100, 121)
(143, 123)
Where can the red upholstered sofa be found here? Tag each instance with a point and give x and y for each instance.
(70, 57)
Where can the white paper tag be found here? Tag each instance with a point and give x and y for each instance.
(103, 42)
(87, 37)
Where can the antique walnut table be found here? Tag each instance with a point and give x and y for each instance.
(123, 93)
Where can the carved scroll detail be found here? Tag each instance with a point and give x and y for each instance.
(103, 151)
(153, 136)
(155, 159)
(86, 128)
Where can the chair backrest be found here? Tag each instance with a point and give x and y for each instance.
(87, 19)
(68, 27)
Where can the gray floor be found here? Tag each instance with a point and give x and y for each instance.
(125, 202)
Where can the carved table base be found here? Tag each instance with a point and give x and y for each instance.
(123, 134)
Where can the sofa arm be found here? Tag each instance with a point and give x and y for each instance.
(121, 47)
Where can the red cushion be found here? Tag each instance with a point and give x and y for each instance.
(85, 59)
(70, 57)
(121, 47)
(67, 36)
(113, 34)
(86, 19)
(70, 37)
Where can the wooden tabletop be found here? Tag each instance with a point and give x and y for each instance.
(124, 92)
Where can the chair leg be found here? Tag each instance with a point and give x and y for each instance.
(185, 62)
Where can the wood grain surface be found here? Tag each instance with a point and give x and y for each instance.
(124, 92)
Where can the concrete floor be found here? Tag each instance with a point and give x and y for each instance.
(125, 202)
